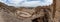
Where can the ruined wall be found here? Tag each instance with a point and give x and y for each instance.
(48, 11)
(57, 13)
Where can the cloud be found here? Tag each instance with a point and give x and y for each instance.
(27, 3)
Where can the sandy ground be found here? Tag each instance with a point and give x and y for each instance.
(1, 19)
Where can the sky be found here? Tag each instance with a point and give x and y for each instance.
(27, 3)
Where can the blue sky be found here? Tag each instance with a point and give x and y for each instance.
(27, 3)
